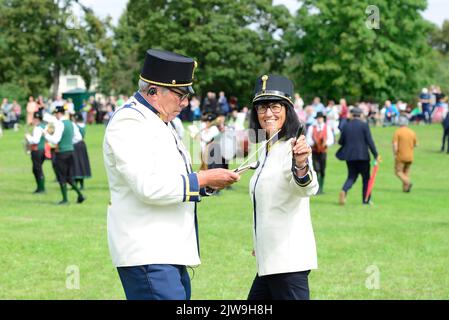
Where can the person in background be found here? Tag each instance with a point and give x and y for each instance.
(299, 108)
(344, 113)
(404, 141)
(81, 163)
(445, 124)
(332, 117)
(390, 114)
(223, 104)
(320, 137)
(41, 105)
(31, 108)
(16, 110)
(69, 106)
(355, 140)
(208, 132)
(318, 106)
(37, 143)
(195, 108)
(425, 100)
(179, 128)
(62, 138)
(57, 102)
(310, 115)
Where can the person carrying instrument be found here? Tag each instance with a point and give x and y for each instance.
(63, 138)
(37, 144)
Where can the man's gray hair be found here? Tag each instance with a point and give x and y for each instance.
(145, 86)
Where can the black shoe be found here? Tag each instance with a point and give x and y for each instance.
(38, 191)
(409, 188)
(80, 199)
(63, 202)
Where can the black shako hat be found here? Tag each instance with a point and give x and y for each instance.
(78, 117)
(356, 111)
(58, 109)
(37, 115)
(319, 114)
(168, 69)
(273, 87)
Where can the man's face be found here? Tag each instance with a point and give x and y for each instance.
(172, 101)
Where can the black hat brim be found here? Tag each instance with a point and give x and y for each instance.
(270, 98)
(188, 89)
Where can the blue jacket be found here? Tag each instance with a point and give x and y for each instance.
(355, 140)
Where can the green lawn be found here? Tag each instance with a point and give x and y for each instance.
(405, 236)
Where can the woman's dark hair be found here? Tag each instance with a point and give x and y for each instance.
(288, 130)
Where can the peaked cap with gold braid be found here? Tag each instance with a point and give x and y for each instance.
(273, 88)
(168, 69)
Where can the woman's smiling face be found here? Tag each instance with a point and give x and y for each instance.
(271, 116)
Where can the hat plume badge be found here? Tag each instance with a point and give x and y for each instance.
(195, 65)
(264, 82)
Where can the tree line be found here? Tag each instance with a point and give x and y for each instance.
(329, 48)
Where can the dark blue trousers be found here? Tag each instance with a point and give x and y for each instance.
(355, 168)
(282, 286)
(155, 282)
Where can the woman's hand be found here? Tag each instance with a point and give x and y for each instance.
(301, 151)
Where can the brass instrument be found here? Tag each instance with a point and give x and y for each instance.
(50, 128)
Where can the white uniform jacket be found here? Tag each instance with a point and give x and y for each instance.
(283, 233)
(152, 211)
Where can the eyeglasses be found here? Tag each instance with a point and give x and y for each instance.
(181, 95)
(275, 107)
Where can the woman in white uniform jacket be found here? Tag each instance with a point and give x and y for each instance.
(280, 188)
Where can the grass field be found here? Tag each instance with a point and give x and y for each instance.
(403, 236)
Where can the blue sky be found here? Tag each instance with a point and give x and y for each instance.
(437, 11)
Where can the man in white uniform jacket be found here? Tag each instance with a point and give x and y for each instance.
(152, 221)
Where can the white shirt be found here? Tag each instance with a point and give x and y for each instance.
(59, 130)
(329, 134)
(57, 134)
(207, 134)
(283, 234)
(77, 137)
(178, 127)
(35, 138)
(151, 217)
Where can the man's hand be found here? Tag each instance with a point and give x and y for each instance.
(217, 178)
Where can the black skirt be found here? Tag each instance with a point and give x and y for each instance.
(81, 167)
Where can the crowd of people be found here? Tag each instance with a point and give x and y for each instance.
(59, 137)
(154, 190)
(222, 119)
